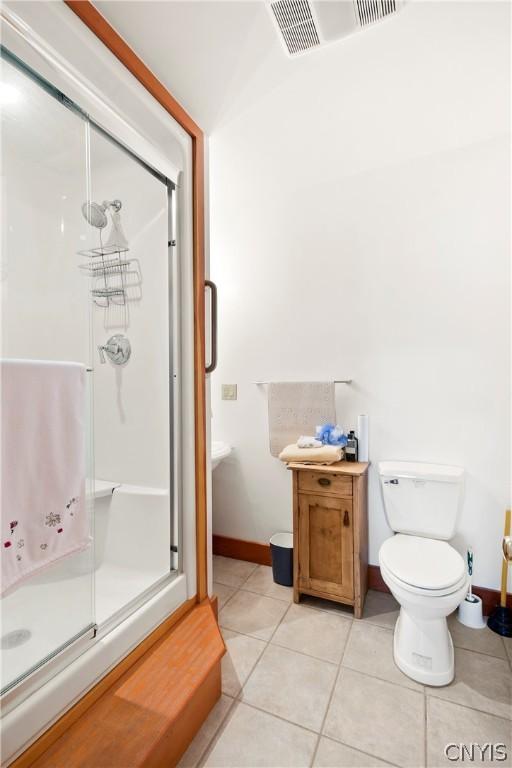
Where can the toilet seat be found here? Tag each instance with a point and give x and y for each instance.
(423, 566)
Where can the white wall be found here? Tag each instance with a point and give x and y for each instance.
(360, 229)
(131, 403)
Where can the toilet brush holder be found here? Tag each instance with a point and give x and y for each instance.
(470, 612)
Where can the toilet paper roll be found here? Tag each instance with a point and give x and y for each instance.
(362, 436)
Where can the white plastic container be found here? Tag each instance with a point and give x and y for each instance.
(470, 613)
(362, 436)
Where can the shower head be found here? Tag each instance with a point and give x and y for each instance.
(95, 215)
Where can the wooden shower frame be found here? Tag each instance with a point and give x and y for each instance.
(100, 27)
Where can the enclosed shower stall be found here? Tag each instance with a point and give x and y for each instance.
(90, 280)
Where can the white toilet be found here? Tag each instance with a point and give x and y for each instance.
(425, 574)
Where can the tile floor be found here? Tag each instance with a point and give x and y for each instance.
(306, 685)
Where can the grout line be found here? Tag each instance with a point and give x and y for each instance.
(227, 601)
(264, 594)
(480, 653)
(362, 751)
(267, 643)
(384, 680)
(217, 730)
(236, 586)
(310, 730)
(303, 653)
(331, 695)
(279, 717)
(473, 709)
(387, 680)
(237, 695)
(507, 655)
(249, 575)
(278, 645)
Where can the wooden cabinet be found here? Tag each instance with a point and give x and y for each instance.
(330, 532)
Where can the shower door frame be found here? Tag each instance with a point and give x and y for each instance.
(100, 27)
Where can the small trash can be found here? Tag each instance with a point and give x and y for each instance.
(281, 548)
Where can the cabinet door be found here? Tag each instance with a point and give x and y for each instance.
(326, 548)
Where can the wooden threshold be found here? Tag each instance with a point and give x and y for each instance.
(55, 731)
(149, 715)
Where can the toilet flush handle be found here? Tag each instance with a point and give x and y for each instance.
(394, 481)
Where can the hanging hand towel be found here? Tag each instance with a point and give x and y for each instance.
(296, 408)
(43, 510)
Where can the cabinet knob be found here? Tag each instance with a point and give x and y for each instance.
(346, 520)
(324, 481)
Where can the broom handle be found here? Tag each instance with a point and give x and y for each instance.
(504, 565)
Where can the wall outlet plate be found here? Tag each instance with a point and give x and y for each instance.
(229, 392)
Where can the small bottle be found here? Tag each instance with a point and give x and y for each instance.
(351, 447)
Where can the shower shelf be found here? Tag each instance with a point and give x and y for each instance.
(106, 292)
(104, 250)
(105, 267)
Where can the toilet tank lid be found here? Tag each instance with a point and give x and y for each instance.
(441, 472)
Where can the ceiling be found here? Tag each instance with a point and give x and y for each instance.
(214, 57)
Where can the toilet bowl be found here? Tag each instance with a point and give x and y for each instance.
(426, 575)
(428, 578)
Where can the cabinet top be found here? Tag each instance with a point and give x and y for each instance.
(339, 468)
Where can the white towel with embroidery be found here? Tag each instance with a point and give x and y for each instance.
(42, 483)
(296, 408)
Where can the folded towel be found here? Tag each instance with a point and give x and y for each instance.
(305, 441)
(296, 407)
(44, 515)
(327, 454)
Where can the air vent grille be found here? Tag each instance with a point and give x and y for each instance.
(296, 23)
(370, 11)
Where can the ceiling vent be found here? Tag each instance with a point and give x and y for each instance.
(296, 24)
(307, 24)
(369, 11)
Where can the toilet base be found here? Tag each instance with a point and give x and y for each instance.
(423, 649)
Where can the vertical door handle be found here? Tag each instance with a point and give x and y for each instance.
(213, 330)
(346, 521)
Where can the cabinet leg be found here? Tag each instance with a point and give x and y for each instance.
(296, 594)
(358, 611)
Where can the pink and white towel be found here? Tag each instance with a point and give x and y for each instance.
(42, 483)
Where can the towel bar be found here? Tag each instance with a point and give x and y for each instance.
(336, 381)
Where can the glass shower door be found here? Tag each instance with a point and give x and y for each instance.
(45, 327)
(132, 293)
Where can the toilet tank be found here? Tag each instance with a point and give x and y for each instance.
(422, 499)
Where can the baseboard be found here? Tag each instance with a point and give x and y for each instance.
(256, 552)
(252, 551)
(375, 580)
